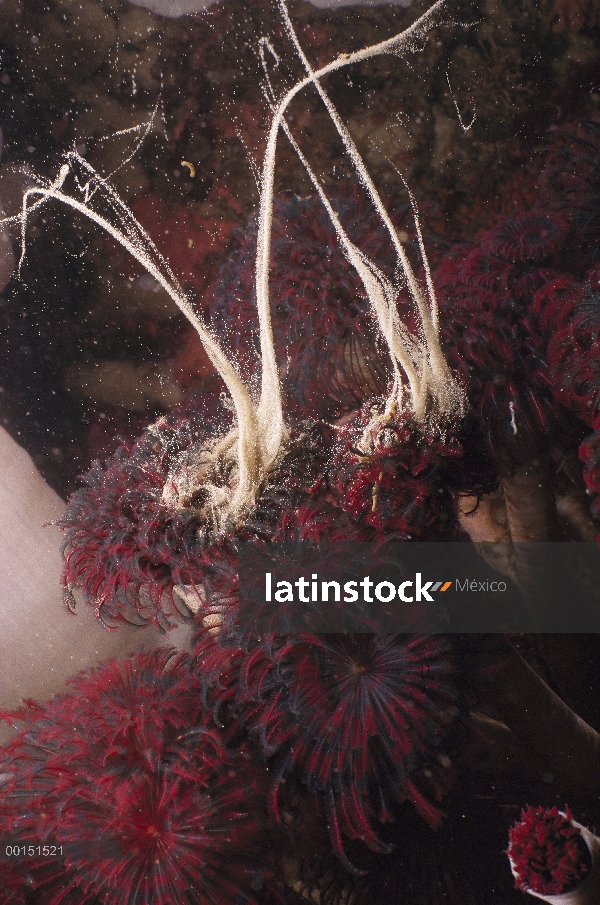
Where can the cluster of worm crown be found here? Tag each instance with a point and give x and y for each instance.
(369, 397)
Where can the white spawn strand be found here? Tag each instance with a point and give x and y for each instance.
(258, 439)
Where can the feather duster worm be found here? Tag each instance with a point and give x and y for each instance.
(131, 540)
(146, 798)
(554, 858)
(139, 541)
(360, 718)
(392, 477)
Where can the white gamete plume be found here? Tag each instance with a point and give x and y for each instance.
(248, 453)
(87, 193)
(433, 392)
